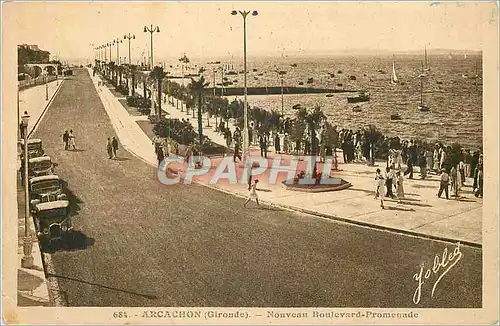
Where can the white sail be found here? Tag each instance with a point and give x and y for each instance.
(394, 78)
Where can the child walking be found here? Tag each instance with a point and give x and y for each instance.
(252, 194)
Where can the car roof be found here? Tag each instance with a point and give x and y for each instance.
(32, 141)
(39, 159)
(44, 178)
(52, 205)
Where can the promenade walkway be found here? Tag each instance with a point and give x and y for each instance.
(32, 288)
(421, 212)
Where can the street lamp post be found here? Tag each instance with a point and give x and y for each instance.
(244, 14)
(151, 31)
(27, 260)
(129, 37)
(46, 87)
(117, 42)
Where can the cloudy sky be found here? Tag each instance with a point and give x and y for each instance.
(208, 29)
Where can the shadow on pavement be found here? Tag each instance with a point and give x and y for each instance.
(77, 150)
(392, 208)
(147, 296)
(74, 201)
(74, 240)
(121, 159)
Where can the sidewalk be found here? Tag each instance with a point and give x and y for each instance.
(32, 288)
(421, 212)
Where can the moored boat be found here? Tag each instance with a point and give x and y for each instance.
(422, 107)
(359, 97)
(394, 77)
(396, 116)
(329, 95)
(357, 108)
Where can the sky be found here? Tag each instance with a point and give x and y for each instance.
(72, 30)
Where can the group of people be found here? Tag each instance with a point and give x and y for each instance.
(385, 183)
(112, 147)
(69, 140)
(452, 175)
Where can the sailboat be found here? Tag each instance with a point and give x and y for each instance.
(422, 107)
(394, 77)
(427, 68)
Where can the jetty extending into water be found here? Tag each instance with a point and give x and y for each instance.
(233, 91)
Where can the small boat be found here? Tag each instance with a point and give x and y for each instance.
(310, 80)
(339, 72)
(340, 85)
(359, 97)
(301, 83)
(231, 73)
(357, 108)
(394, 77)
(254, 70)
(261, 74)
(297, 106)
(352, 77)
(381, 71)
(422, 107)
(293, 65)
(426, 67)
(396, 116)
(235, 81)
(329, 95)
(465, 76)
(439, 82)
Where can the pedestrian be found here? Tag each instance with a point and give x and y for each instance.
(388, 182)
(237, 151)
(160, 156)
(263, 145)
(445, 179)
(400, 193)
(114, 143)
(461, 170)
(71, 140)
(109, 148)
(277, 145)
(252, 193)
(429, 159)
(66, 139)
(399, 159)
(380, 187)
(423, 165)
(454, 181)
(479, 190)
(409, 169)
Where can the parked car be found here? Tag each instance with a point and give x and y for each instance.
(34, 148)
(53, 221)
(46, 188)
(39, 166)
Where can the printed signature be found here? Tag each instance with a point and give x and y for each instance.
(442, 265)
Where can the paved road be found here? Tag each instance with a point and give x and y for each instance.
(145, 244)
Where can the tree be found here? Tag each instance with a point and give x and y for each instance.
(133, 69)
(158, 74)
(373, 136)
(197, 87)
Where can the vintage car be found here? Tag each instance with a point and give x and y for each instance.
(46, 188)
(39, 166)
(53, 221)
(34, 148)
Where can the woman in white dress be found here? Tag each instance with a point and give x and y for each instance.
(71, 140)
(380, 192)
